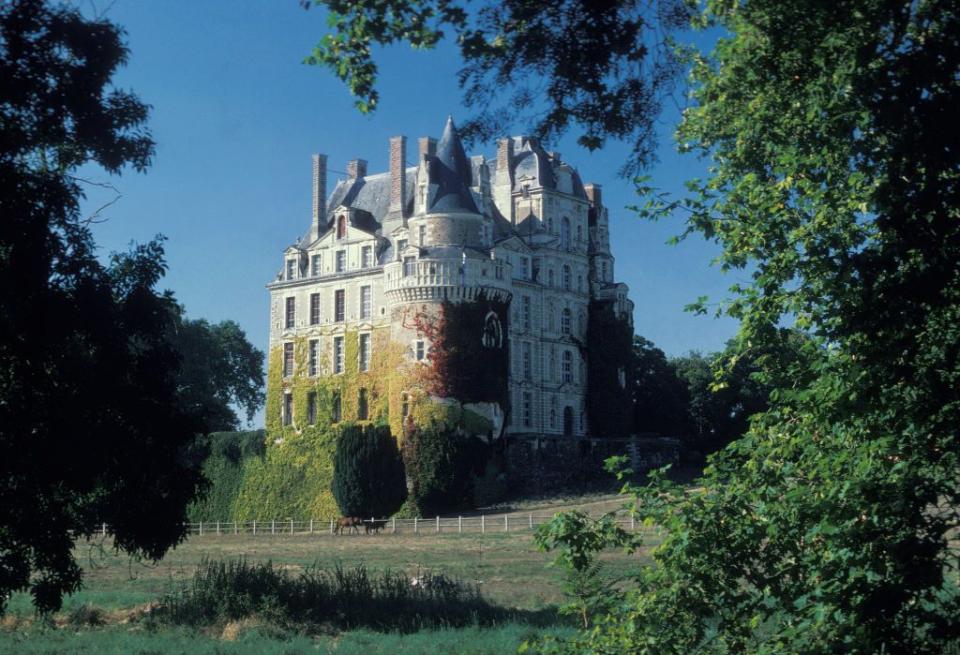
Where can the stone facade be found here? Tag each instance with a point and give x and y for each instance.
(520, 231)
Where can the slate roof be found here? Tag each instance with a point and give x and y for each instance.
(451, 171)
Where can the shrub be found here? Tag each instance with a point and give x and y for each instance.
(368, 473)
(442, 465)
(224, 591)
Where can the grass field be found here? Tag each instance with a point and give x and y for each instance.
(507, 567)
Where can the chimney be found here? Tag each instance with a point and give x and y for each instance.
(398, 176)
(504, 155)
(319, 194)
(356, 168)
(426, 146)
(593, 194)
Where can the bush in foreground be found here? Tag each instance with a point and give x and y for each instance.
(223, 591)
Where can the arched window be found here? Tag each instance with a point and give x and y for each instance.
(341, 226)
(567, 366)
(567, 277)
(565, 317)
(492, 331)
(567, 421)
(565, 233)
(362, 409)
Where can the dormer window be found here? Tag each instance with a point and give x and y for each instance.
(291, 268)
(401, 245)
(341, 261)
(341, 226)
(315, 266)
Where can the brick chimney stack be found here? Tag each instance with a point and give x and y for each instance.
(504, 155)
(426, 146)
(398, 176)
(356, 168)
(319, 194)
(593, 194)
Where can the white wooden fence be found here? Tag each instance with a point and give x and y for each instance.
(481, 524)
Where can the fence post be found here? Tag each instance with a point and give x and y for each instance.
(273, 526)
(394, 525)
(254, 526)
(483, 527)
(414, 525)
(201, 528)
(104, 530)
(291, 526)
(459, 525)
(531, 521)
(331, 526)
(218, 528)
(438, 523)
(311, 526)
(506, 523)
(632, 524)
(235, 528)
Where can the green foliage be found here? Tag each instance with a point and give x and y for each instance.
(602, 67)
(224, 469)
(442, 464)
(578, 539)
(368, 473)
(660, 396)
(610, 354)
(91, 426)
(344, 598)
(219, 369)
(832, 131)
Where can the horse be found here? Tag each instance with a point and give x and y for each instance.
(348, 522)
(375, 525)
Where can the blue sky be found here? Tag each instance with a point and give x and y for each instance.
(236, 116)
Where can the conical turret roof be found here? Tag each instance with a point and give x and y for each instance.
(450, 171)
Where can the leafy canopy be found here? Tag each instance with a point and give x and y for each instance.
(600, 67)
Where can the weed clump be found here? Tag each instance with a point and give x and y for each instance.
(334, 598)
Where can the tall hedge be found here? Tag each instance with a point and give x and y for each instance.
(368, 473)
(442, 465)
(229, 452)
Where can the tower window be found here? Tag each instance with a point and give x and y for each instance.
(567, 366)
(290, 314)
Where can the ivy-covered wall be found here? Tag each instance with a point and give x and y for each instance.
(609, 371)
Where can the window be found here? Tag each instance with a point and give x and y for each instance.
(579, 232)
(553, 412)
(527, 409)
(291, 268)
(581, 323)
(341, 227)
(524, 268)
(290, 315)
(312, 408)
(421, 351)
(362, 409)
(527, 311)
(315, 266)
(565, 233)
(567, 277)
(553, 363)
(314, 309)
(313, 359)
(401, 245)
(366, 257)
(565, 317)
(339, 305)
(338, 354)
(341, 261)
(527, 360)
(404, 405)
(287, 360)
(422, 235)
(550, 223)
(364, 302)
(335, 413)
(287, 409)
(603, 271)
(408, 266)
(567, 366)
(364, 356)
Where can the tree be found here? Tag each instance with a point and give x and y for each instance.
(660, 396)
(220, 369)
(368, 473)
(441, 465)
(609, 348)
(603, 67)
(90, 419)
(836, 180)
